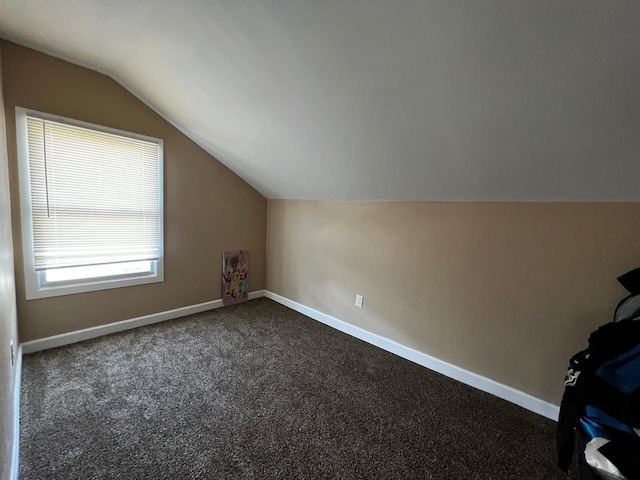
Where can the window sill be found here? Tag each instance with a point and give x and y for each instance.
(35, 291)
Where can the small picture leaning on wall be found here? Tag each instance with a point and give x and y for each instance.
(235, 277)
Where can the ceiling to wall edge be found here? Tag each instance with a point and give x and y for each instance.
(140, 97)
(204, 146)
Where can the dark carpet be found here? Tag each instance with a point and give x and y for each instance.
(260, 391)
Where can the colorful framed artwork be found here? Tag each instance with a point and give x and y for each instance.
(235, 277)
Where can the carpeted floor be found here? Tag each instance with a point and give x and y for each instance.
(260, 391)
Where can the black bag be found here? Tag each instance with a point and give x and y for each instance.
(602, 395)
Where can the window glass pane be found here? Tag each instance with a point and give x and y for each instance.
(96, 271)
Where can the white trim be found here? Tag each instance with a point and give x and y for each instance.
(34, 289)
(256, 294)
(88, 125)
(485, 384)
(17, 378)
(93, 332)
(93, 284)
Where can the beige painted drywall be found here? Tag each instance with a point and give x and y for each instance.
(505, 290)
(208, 208)
(8, 330)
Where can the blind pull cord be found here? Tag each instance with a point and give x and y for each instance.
(46, 173)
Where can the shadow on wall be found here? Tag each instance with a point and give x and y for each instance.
(506, 290)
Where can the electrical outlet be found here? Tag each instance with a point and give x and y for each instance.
(13, 353)
(359, 299)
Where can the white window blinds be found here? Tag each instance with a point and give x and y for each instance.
(94, 195)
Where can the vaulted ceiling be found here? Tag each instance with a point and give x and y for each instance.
(377, 99)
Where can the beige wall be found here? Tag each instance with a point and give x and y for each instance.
(208, 208)
(8, 330)
(506, 290)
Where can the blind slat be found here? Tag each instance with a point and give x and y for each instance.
(94, 196)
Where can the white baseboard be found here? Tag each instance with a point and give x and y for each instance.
(15, 457)
(256, 294)
(100, 330)
(485, 384)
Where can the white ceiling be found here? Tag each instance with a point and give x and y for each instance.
(377, 99)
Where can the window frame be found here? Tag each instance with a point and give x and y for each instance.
(35, 286)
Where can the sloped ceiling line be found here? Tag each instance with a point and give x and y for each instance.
(385, 100)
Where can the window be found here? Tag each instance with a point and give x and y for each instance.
(91, 206)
